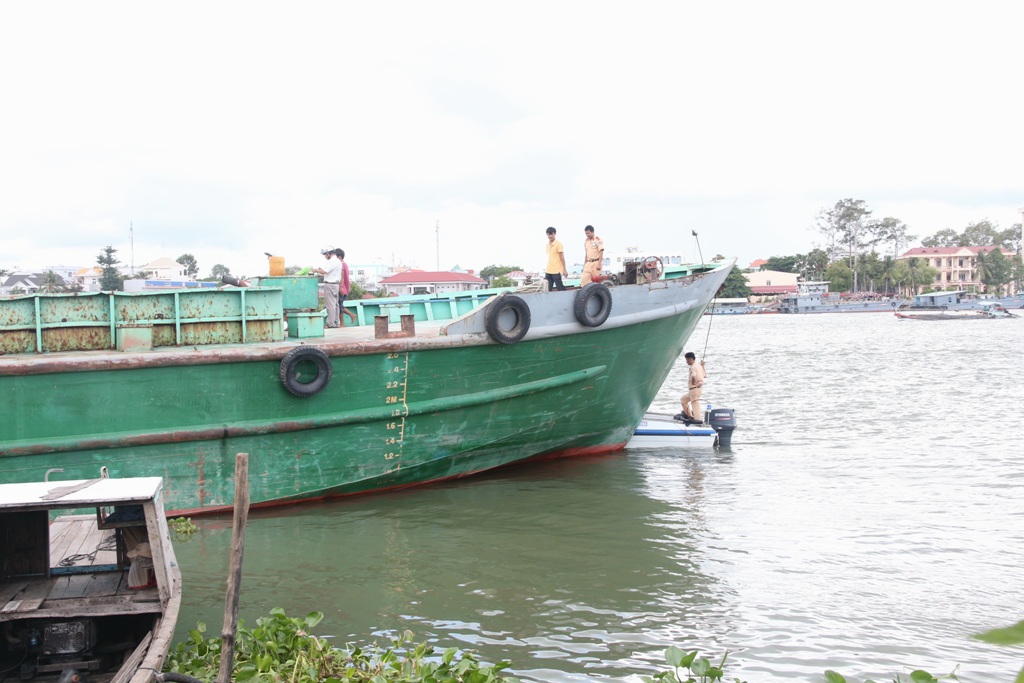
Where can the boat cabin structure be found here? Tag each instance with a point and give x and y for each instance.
(939, 299)
(89, 585)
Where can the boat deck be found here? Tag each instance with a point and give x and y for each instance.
(86, 578)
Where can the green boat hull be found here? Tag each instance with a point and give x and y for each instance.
(395, 413)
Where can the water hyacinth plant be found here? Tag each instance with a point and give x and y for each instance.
(698, 669)
(280, 648)
(916, 676)
(1011, 635)
(183, 527)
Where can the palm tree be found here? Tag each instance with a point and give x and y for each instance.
(983, 270)
(917, 273)
(52, 283)
(887, 272)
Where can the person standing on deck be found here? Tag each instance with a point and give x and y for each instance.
(332, 281)
(344, 286)
(695, 385)
(556, 263)
(593, 248)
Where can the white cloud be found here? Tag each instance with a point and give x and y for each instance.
(230, 129)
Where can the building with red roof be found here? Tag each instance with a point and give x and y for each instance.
(431, 282)
(771, 282)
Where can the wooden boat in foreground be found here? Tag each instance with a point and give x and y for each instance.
(174, 384)
(95, 592)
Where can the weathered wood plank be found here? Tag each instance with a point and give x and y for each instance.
(62, 535)
(105, 585)
(58, 587)
(74, 586)
(71, 543)
(37, 589)
(9, 589)
(26, 605)
(28, 599)
(93, 543)
(131, 664)
(79, 536)
(89, 610)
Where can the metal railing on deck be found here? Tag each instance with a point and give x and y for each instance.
(96, 320)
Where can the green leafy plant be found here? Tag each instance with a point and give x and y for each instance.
(1011, 635)
(698, 669)
(280, 648)
(183, 528)
(916, 676)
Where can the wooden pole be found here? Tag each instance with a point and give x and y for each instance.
(227, 634)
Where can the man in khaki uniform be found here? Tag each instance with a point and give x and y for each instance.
(695, 386)
(593, 248)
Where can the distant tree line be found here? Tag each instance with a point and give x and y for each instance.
(735, 286)
(497, 276)
(850, 259)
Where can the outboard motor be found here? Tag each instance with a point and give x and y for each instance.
(723, 421)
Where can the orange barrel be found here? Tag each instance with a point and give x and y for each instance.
(276, 265)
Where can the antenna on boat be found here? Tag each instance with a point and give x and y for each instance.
(131, 241)
(694, 232)
(437, 232)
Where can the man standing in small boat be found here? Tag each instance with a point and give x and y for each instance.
(593, 247)
(695, 385)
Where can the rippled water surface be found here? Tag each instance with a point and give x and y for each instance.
(868, 519)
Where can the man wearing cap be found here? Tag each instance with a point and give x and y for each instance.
(593, 247)
(332, 279)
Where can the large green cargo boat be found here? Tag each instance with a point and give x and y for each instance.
(174, 384)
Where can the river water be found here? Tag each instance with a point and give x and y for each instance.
(868, 519)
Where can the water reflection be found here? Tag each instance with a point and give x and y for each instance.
(570, 561)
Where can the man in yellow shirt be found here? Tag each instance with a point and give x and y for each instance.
(593, 247)
(556, 263)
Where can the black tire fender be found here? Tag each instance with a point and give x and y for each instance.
(507, 319)
(592, 305)
(295, 367)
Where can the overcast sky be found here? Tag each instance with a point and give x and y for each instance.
(227, 130)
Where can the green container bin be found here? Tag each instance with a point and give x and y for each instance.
(300, 291)
(304, 325)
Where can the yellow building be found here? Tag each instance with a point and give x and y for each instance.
(957, 266)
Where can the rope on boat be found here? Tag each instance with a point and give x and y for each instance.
(705, 352)
(108, 544)
(711, 318)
